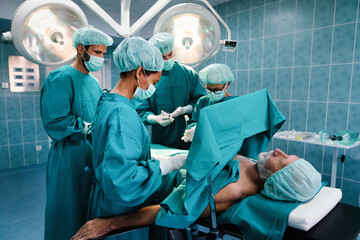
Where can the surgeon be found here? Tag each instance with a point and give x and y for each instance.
(125, 175)
(68, 103)
(217, 78)
(177, 92)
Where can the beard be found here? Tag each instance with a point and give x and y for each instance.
(261, 162)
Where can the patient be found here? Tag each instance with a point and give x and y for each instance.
(275, 174)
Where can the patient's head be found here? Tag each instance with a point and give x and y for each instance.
(288, 176)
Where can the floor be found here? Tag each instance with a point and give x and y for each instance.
(22, 203)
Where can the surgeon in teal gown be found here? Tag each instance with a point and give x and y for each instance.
(68, 103)
(176, 94)
(126, 177)
(217, 78)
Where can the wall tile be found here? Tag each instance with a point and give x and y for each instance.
(313, 155)
(232, 22)
(300, 83)
(343, 45)
(316, 117)
(271, 19)
(281, 144)
(40, 131)
(296, 148)
(336, 117)
(16, 156)
(255, 81)
(283, 85)
(242, 82)
(221, 9)
(324, 13)
(43, 154)
(354, 118)
(304, 15)
(27, 107)
(243, 55)
(302, 48)
(355, 86)
(28, 127)
(3, 133)
(285, 52)
(321, 46)
(257, 3)
(37, 107)
(2, 109)
(230, 60)
(244, 4)
(351, 193)
(357, 46)
(244, 25)
(284, 108)
(287, 16)
(270, 52)
(233, 6)
(13, 108)
(351, 168)
(257, 21)
(298, 116)
(345, 11)
(340, 83)
(327, 164)
(4, 157)
(15, 136)
(319, 83)
(30, 154)
(256, 53)
(268, 82)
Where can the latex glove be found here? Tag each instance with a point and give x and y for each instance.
(163, 120)
(188, 134)
(181, 111)
(86, 127)
(163, 113)
(170, 164)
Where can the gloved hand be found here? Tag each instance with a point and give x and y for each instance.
(161, 119)
(189, 134)
(86, 127)
(181, 111)
(170, 164)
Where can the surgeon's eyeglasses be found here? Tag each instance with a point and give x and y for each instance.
(215, 90)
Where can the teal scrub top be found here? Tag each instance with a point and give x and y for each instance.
(204, 101)
(68, 98)
(242, 125)
(125, 176)
(177, 88)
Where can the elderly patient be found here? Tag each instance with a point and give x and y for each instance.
(275, 174)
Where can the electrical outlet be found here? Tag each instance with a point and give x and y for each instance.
(38, 147)
(4, 85)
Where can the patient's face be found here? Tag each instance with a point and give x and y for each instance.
(278, 160)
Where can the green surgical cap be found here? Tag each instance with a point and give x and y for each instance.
(216, 74)
(163, 41)
(298, 181)
(134, 52)
(91, 36)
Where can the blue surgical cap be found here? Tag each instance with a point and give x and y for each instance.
(216, 74)
(135, 52)
(298, 181)
(163, 41)
(91, 36)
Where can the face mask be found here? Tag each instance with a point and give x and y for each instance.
(168, 64)
(142, 94)
(94, 64)
(216, 96)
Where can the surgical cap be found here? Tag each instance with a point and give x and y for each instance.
(298, 181)
(91, 36)
(135, 52)
(163, 41)
(216, 74)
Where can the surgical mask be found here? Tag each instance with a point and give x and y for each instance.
(262, 159)
(142, 94)
(168, 64)
(94, 64)
(217, 96)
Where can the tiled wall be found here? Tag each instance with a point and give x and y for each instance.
(21, 128)
(307, 54)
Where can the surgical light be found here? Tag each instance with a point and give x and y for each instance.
(42, 30)
(195, 29)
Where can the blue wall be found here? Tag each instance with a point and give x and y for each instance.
(307, 54)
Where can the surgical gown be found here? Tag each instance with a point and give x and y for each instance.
(204, 101)
(68, 98)
(125, 178)
(177, 88)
